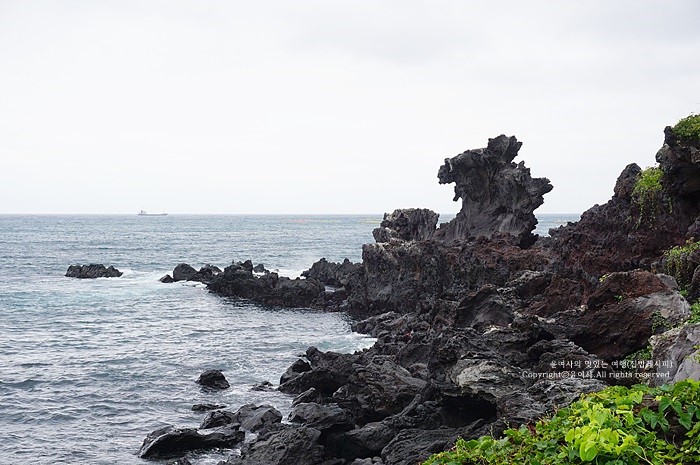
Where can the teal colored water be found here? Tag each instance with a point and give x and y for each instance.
(89, 367)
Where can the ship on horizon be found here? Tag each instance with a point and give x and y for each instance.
(143, 213)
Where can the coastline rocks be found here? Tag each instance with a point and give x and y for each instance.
(169, 441)
(92, 271)
(411, 224)
(250, 417)
(185, 272)
(270, 288)
(497, 195)
(213, 379)
(333, 274)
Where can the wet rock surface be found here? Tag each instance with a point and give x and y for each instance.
(169, 441)
(213, 379)
(92, 271)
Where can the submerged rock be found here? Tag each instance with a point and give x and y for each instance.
(92, 271)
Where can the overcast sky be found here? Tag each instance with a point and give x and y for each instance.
(328, 106)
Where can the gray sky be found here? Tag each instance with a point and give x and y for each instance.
(328, 106)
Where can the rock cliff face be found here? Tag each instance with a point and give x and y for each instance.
(632, 231)
(497, 195)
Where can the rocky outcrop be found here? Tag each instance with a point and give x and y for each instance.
(92, 271)
(169, 442)
(333, 274)
(497, 195)
(632, 231)
(412, 224)
(270, 288)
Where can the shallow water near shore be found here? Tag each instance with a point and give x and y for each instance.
(89, 367)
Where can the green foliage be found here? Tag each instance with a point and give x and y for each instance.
(641, 354)
(694, 313)
(688, 128)
(678, 263)
(646, 192)
(616, 426)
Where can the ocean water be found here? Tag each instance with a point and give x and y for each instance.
(89, 367)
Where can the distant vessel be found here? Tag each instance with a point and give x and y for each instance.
(143, 213)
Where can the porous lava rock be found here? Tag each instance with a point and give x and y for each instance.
(92, 271)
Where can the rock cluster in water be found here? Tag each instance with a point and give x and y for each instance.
(480, 324)
(92, 271)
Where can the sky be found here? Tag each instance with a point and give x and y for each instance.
(325, 106)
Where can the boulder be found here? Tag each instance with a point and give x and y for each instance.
(322, 417)
(256, 417)
(213, 379)
(92, 271)
(290, 445)
(297, 368)
(184, 272)
(167, 279)
(169, 441)
(676, 354)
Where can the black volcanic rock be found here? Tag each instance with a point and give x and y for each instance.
(270, 288)
(333, 274)
(169, 442)
(411, 224)
(213, 379)
(184, 272)
(497, 195)
(92, 271)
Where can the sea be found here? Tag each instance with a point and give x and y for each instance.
(89, 367)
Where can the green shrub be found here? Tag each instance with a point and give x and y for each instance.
(678, 262)
(646, 192)
(616, 426)
(694, 313)
(688, 128)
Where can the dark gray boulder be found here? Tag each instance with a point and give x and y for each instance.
(295, 369)
(498, 196)
(206, 407)
(213, 379)
(257, 417)
(322, 417)
(290, 445)
(184, 272)
(169, 441)
(92, 271)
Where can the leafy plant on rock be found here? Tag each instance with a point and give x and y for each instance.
(646, 192)
(616, 426)
(688, 128)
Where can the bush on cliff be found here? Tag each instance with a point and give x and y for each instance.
(616, 426)
(646, 192)
(688, 128)
(679, 262)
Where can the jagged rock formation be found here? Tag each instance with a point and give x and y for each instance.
(92, 271)
(412, 224)
(497, 195)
